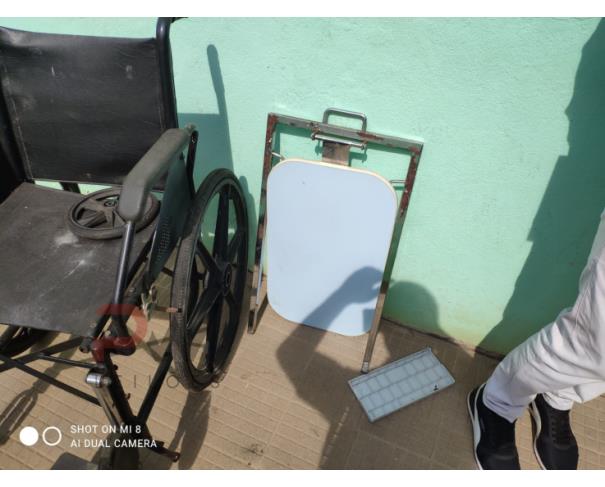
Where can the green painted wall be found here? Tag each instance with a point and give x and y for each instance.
(510, 187)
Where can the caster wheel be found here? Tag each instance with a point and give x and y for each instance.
(96, 216)
(209, 283)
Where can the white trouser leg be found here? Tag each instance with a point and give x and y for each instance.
(565, 398)
(566, 359)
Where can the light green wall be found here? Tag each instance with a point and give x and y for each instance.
(512, 111)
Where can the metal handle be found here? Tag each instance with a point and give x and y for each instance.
(347, 113)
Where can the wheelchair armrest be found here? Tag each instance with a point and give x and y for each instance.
(148, 171)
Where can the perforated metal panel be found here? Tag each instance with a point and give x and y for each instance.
(401, 383)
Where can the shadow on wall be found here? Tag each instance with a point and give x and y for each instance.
(568, 216)
(214, 143)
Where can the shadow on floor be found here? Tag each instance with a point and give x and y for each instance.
(188, 437)
(19, 408)
(214, 144)
(322, 383)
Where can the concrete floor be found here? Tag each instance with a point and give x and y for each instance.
(284, 404)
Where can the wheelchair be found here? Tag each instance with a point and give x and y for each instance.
(86, 110)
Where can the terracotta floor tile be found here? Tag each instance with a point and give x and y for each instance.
(285, 403)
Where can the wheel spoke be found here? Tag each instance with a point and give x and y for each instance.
(118, 218)
(234, 245)
(207, 259)
(109, 216)
(93, 220)
(203, 306)
(221, 233)
(214, 326)
(100, 212)
(231, 301)
(201, 276)
(92, 205)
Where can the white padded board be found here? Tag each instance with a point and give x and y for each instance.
(400, 383)
(329, 228)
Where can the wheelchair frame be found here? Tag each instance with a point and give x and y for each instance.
(133, 288)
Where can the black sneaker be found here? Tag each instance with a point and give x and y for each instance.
(555, 446)
(493, 436)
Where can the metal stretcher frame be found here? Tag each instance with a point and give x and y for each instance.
(337, 141)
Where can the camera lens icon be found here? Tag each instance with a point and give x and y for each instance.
(51, 436)
(29, 436)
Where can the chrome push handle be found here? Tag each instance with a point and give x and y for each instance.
(317, 135)
(348, 114)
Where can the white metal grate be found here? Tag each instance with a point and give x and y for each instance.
(400, 383)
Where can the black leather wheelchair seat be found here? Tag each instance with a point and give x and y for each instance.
(50, 279)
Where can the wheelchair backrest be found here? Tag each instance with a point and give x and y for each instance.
(11, 174)
(85, 109)
(8, 180)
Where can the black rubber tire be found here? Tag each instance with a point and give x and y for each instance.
(15, 340)
(106, 233)
(186, 278)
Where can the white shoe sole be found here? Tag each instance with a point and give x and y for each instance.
(535, 414)
(474, 416)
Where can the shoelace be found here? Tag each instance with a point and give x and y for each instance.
(560, 427)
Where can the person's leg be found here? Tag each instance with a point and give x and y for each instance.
(564, 399)
(555, 445)
(493, 436)
(567, 355)
(565, 361)
(559, 361)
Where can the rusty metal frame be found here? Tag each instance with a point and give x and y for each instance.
(335, 135)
